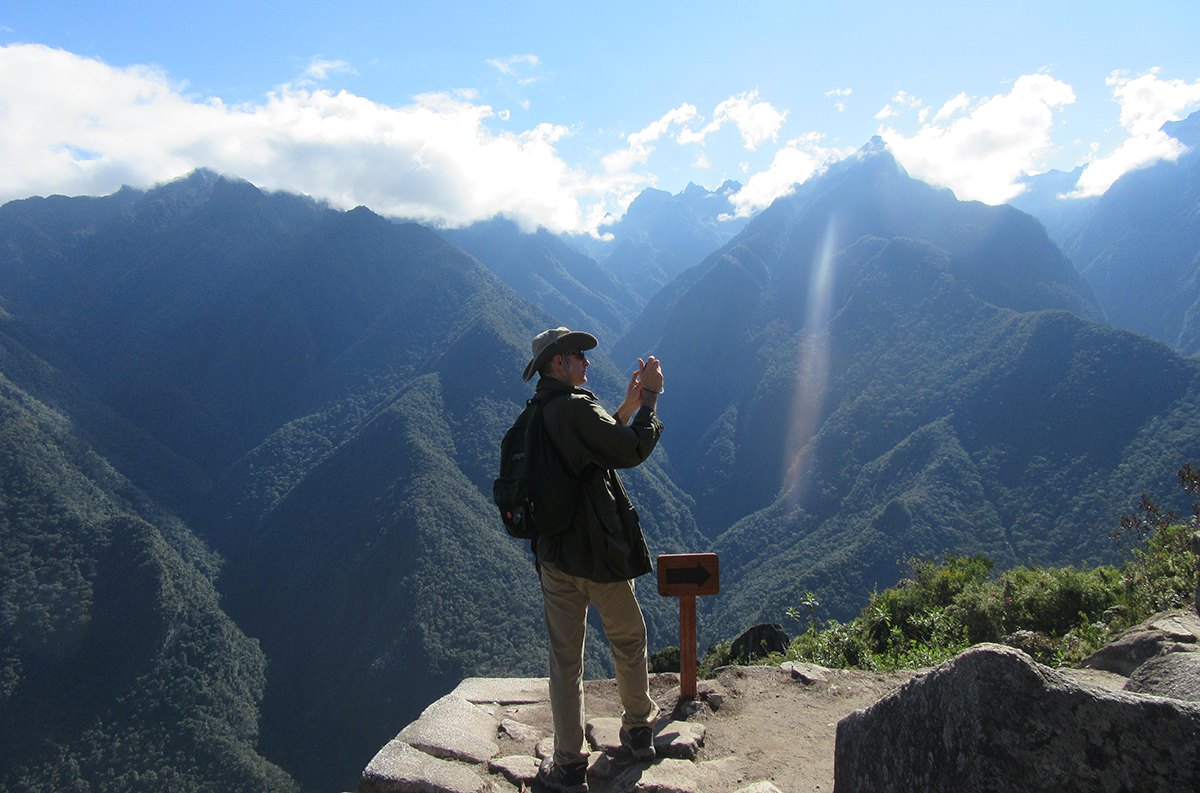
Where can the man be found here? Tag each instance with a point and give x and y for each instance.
(595, 560)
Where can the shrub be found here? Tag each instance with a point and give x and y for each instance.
(1058, 615)
(665, 660)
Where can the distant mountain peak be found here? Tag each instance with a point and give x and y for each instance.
(1186, 131)
(876, 145)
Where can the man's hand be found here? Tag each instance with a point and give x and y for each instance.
(651, 377)
(633, 396)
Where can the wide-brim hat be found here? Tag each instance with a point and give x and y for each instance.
(549, 343)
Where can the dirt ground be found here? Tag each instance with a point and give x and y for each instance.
(761, 723)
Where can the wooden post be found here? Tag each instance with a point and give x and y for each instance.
(687, 647)
(685, 576)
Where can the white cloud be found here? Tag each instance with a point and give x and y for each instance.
(75, 125)
(320, 69)
(981, 155)
(793, 164)
(956, 104)
(1147, 102)
(757, 122)
(638, 150)
(905, 100)
(839, 92)
(508, 65)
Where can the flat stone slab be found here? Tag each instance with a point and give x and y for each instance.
(679, 739)
(679, 776)
(1170, 631)
(670, 776)
(442, 739)
(1174, 675)
(673, 739)
(455, 710)
(520, 732)
(805, 672)
(520, 769)
(504, 690)
(399, 768)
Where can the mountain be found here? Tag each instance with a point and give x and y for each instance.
(661, 235)
(1140, 248)
(1046, 198)
(949, 424)
(324, 395)
(873, 369)
(281, 421)
(119, 668)
(728, 329)
(546, 271)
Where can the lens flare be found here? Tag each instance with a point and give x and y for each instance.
(812, 370)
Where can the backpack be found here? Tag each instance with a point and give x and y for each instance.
(535, 493)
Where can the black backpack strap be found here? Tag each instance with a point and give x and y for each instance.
(590, 469)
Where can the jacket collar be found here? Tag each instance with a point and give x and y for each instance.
(554, 384)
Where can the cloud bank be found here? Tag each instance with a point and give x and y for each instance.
(980, 155)
(1147, 102)
(78, 126)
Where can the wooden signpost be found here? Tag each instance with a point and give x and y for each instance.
(686, 575)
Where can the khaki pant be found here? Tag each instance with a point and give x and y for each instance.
(566, 600)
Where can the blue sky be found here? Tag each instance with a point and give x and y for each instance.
(557, 113)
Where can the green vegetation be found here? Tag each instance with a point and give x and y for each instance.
(1059, 615)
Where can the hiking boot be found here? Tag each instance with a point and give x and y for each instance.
(640, 741)
(568, 778)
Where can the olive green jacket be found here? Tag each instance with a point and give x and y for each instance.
(604, 542)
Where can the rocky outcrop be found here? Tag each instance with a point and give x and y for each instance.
(992, 719)
(1168, 632)
(474, 740)
(759, 641)
(1196, 550)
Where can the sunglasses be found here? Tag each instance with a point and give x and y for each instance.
(580, 354)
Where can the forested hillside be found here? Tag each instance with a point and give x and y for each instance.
(1140, 246)
(895, 372)
(569, 285)
(118, 668)
(323, 394)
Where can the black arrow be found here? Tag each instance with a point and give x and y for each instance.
(689, 575)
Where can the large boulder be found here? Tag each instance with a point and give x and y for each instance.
(1196, 550)
(759, 641)
(1174, 675)
(992, 719)
(1167, 632)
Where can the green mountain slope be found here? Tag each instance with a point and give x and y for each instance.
(1140, 248)
(728, 330)
(119, 669)
(949, 424)
(345, 381)
(541, 267)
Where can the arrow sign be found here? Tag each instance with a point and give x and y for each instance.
(688, 575)
(682, 574)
